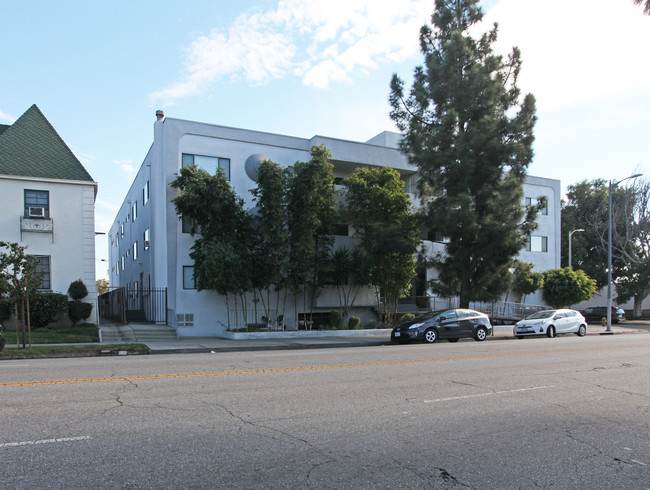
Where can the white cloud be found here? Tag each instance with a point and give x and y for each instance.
(9, 119)
(319, 41)
(576, 52)
(126, 166)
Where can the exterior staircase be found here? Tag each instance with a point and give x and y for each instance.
(134, 333)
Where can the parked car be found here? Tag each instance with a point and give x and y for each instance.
(597, 313)
(450, 324)
(551, 323)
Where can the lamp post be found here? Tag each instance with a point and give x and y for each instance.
(570, 235)
(609, 250)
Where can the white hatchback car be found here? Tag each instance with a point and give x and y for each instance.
(551, 323)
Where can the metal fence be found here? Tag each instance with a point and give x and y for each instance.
(125, 305)
(496, 310)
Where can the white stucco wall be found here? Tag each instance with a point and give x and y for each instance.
(71, 245)
(170, 248)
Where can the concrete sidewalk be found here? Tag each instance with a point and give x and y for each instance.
(214, 345)
(314, 341)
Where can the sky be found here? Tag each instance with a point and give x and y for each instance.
(100, 70)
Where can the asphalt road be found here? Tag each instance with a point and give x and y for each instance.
(563, 413)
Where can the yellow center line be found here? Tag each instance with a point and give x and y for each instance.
(307, 368)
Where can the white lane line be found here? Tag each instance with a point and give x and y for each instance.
(492, 393)
(44, 441)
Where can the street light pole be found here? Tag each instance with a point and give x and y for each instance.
(570, 235)
(609, 250)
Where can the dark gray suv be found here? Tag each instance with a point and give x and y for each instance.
(597, 313)
(451, 324)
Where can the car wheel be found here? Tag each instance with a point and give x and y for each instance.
(453, 340)
(582, 331)
(430, 336)
(481, 333)
(550, 333)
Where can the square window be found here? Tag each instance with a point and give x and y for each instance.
(537, 244)
(37, 204)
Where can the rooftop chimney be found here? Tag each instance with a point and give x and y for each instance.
(160, 115)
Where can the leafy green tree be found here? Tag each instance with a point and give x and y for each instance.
(631, 244)
(102, 286)
(222, 252)
(470, 133)
(588, 208)
(350, 270)
(310, 220)
(565, 287)
(586, 201)
(525, 281)
(379, 210)
(18, 275)
(271, 244)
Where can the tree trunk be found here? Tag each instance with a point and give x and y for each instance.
(638, 306)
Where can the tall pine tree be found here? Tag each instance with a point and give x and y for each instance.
(470, 133)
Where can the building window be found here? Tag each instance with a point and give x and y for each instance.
(531, 201)
(145, 193)
(145, 237)
(341, 229)
(135, 250)
(43, 268)
(188, 277)
(37, 204)
(122, 230)
(209, 164)
(537, 244)
(134, 210)
(117, 269)
(186, 225)
(122, 261)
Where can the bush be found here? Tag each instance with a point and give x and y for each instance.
(78, 310)
(77, 290)
(405, 318)
(354, 322)
(45, 308)
(565, 287)
(2, 343)
(370, 325)
(335, 318)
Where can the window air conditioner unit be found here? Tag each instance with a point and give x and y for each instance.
(146, 244)
(36, 212)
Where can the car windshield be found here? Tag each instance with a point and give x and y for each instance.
(427, 316)
(541, 314)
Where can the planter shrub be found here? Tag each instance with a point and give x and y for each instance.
(354, 323)
(77, 290)
(79, 311)
(45, 308)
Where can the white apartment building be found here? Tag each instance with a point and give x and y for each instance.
(148, 247)
(48, 203)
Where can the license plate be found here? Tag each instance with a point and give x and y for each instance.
(396, 334)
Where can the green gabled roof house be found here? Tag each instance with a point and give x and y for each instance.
(48, 203)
